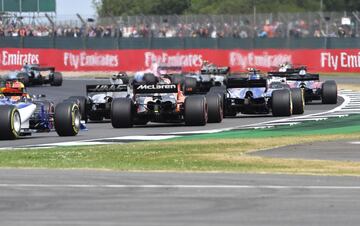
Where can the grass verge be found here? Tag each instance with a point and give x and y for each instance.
(207, 155)
(218, 152)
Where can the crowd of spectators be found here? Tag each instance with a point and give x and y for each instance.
(244, 29)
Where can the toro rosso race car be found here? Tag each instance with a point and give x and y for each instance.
(21, 115)
(313, 88)
(156, 99)
(33, 74)
(255, 94)
(97, 103)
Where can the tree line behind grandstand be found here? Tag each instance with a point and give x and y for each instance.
(116, 19)
(168, 7)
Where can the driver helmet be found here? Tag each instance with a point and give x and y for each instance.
(17, 85)
(205, 63)
(254, 76)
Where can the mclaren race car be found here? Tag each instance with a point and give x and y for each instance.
(314, 89)
(22, 115)
(156, 99)
(253, 93)
(33, 74)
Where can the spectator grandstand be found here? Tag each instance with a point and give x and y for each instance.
(297, 25)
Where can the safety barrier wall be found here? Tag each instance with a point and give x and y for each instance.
(109, 43)
(317, 60)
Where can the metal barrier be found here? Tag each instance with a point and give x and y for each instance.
(178, 43)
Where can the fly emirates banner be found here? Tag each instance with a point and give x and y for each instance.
(318, 60)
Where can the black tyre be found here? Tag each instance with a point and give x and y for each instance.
(281, 103)
(221, 90)
(177, 79)
(10, 122)
(57, 79)
(189, 86)
(195, 111)
(150, 79)
(125, 79)
(82, 103)
(215, 108)
(329, 92)
(122, 112)
(24, 78)
(298, 101)
(67, 119)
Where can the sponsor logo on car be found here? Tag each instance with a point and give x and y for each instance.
(106, 88)
(158, 86)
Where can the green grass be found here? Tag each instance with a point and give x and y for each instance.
(219, 152)
(214, 155)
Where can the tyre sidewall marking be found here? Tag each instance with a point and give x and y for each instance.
(12, 120)
(73, 117)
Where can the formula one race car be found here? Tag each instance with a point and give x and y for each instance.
(32, 74)
(210, 76)
(254, 94)
(165, 103)
(97, 103)
(21, 115)
(314, 89)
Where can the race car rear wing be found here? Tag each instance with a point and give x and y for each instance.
(52, 69)
(246, 83)
(215, 70)
(295, 77)
(158, 88)
(103, 88)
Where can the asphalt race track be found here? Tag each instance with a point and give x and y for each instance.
(77, 197)
(331, 150)
(89, 197)
(96, 130)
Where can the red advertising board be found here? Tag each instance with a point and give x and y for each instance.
(339, 60)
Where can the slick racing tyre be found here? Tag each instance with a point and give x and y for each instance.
(195, 111)
(221, 90)
(82, 103)
(150, 79)
(281, 103)
(10, 123)
(57, 79)
(177, 79)
(122, 113)
(67, 119)
(329, 92)
(298, 101)
(215, 108)
(189, 86)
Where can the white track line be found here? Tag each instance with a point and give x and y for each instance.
(179, 186)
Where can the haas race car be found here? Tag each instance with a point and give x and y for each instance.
(96, 105)
(164, 102)
(256, 94)
(33, 74)
(314, 89)
(21, 115)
